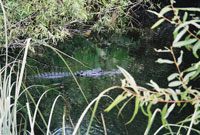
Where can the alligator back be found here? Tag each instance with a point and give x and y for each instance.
(97, 72)
(90, 73)
(53, 75)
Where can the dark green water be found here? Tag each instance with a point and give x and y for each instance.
(135, 56)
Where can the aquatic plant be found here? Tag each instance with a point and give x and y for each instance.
(180, 92)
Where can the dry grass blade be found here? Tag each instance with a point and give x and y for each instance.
(19, 81)
(51, 113)
(104, 125)
(83, 115)
(9, 109)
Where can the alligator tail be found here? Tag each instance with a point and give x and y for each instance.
(52, 75)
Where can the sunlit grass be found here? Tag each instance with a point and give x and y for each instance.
(11, 85)
(8, 101)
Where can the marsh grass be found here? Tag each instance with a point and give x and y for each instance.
(12, 120)
(95, 102)
(9, 102)
(12, 88)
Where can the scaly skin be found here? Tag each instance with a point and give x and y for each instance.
(98, 72)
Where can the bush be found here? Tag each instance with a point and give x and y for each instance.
(180, 89)
(50, 21)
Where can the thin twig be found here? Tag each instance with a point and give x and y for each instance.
(70, 119)
(178, 17)
(160, 100)
(104, 125)
(64, 115)
(175, 62)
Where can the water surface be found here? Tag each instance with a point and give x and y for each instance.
(135, 56)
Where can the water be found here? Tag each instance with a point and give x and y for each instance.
(135, 56)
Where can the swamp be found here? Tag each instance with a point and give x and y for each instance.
(99, 67)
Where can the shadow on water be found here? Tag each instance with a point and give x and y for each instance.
(136, 56)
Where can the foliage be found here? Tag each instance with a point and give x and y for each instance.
(8, 102)
(54, 20)
(180, 90)
(12, 89)
(12, 120)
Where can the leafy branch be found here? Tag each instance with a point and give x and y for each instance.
(179, 89)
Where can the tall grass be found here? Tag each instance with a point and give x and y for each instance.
(8, 101)
(11, 82)
(11, 89)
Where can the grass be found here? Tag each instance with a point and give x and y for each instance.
(9, 102)
(12, 88)
(11, 84)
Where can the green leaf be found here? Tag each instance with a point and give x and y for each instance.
(180, 58)
(180, 34)
(137, 102)
(157, 23)
(119, 99)
(142, 108)
(154, 85)
(185, 27)
(149, 115)
(158, 14)
(183, 106)
(163, 113)
(173, 94)
(174, 83)
(120, 110)
(195, 23)
(185, 16)
(161, 50)
(129, 79)
(172, 76)
(184, 94)
(169, 110)
(196, 74)
(160, 60)
(195, 48)
(175, 33)
(193, 67)
(189, 9)
(165, 10)
(198, 33)
(184, 43)
(187, 77)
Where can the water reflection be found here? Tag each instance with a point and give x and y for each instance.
(138, 59)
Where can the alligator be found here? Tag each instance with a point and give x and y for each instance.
(97, 72)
